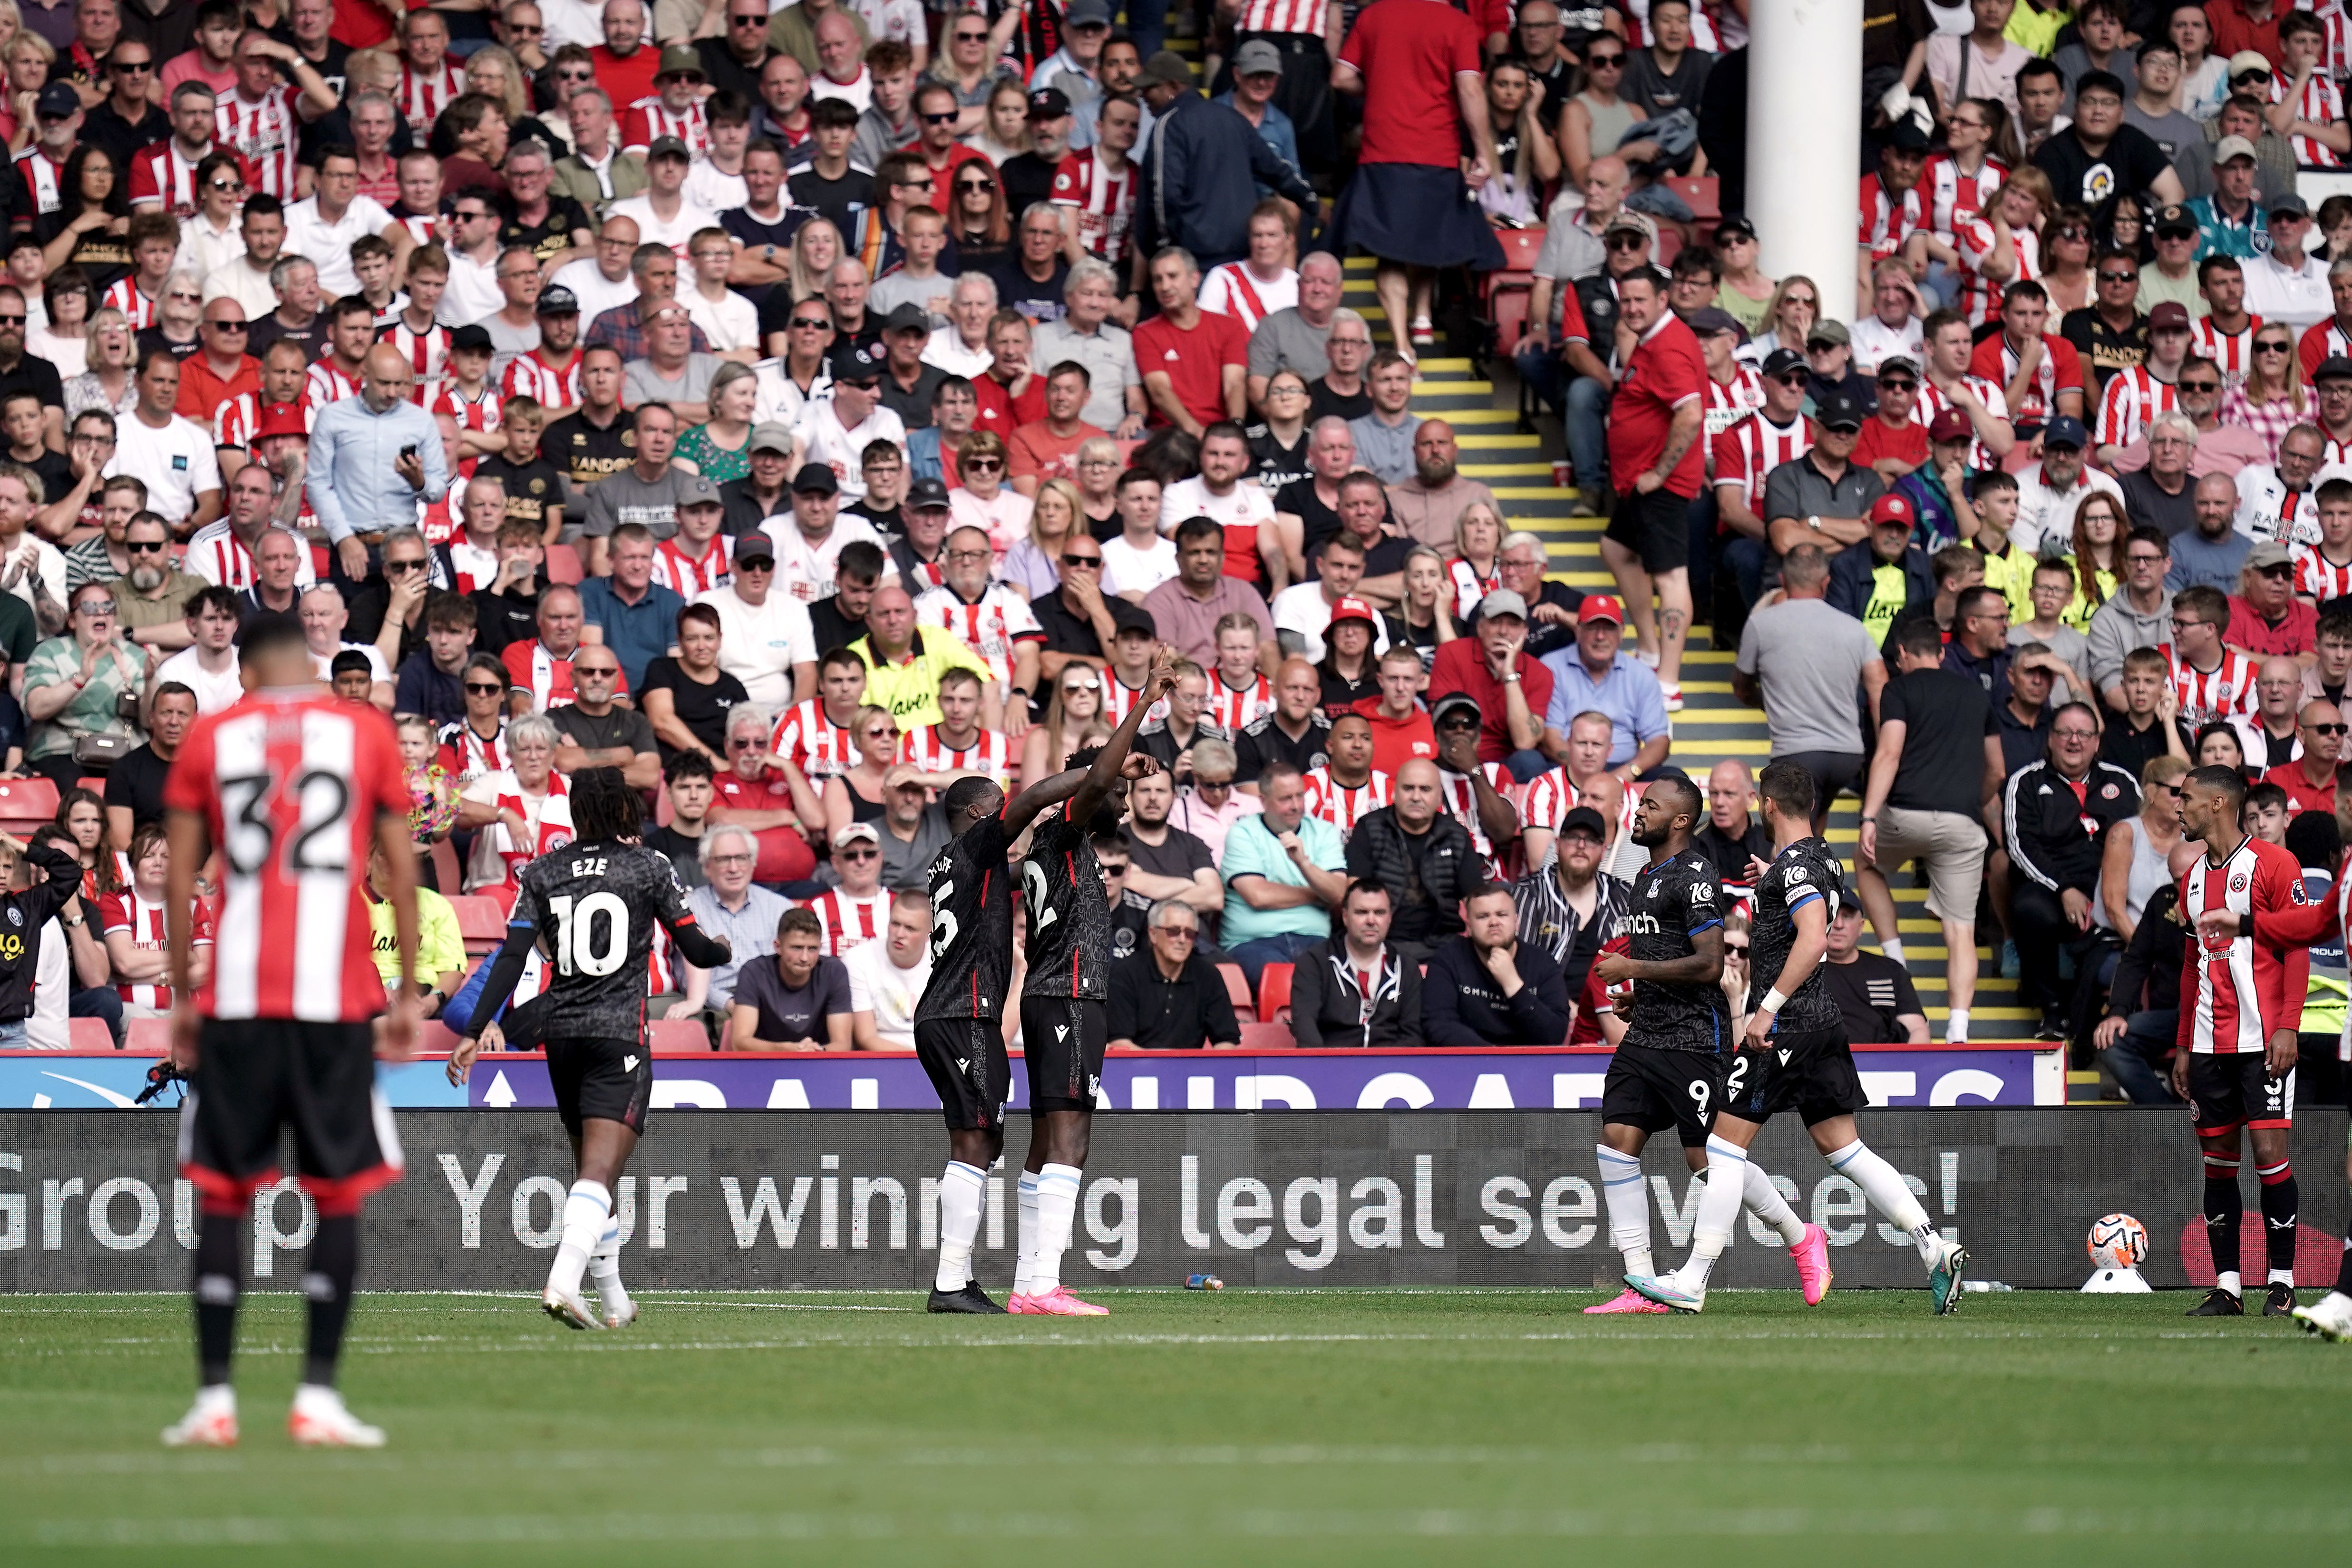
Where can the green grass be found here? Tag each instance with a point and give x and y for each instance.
(1341, 1428)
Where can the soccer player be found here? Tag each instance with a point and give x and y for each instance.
(1668, 1071)
(1794, 1057)
(959, 1026)
(595, 902)
(294, 786)
(2241, 1005)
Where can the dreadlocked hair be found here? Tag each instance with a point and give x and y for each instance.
(604, 807)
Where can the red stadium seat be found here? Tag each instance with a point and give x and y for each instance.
(480, 922)
(1703, 193)
(26, 803)
(89, 1035)
(1267, 1037)
(1273, 993)
(148, 1038)
(1670, 244)
(1520, 248)
(1237, 988)
(95, 783)
(563, 564)
(678, 1037)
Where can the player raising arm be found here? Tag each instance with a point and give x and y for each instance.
(1794, 1057)
(595, 901)
(959, 1033)
(295, 787)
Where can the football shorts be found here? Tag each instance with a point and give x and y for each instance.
(2227, 1092)
(968, 1068)
(1062, 1041)
(609, 1080)
(1654, 1090)
(1809, 1071)
(256, 1078)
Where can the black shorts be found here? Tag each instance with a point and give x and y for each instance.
(968, 1068)
(1831, 772)
(1809, 1071)
(1062, 1041)
(1652, 527)
(2227, 1092)
(611, 1080)
(1654, 1090)
(258, 1077)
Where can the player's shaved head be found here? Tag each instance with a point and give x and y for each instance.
(969, 800)
(272, 651)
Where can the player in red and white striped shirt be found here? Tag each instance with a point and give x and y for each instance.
(429, 77)
(1238, 695)
(1982, 255)
(2210, 681)
(2134, 396)
(550, 374)
(1953, 194)
(679, 567)
(164, 176)
(943, 755)
(650, 119)
(261, 118)
(1948, 348)
(1734, 398)
(466, 753)
(859, 909)
(326, 381)
(1096, 188)
(1745, 455)
(2317, 133)
(1891, 217)
(139, 303)
(1236, 289)
(136, 914)
(996, 623)
(1281, 17)
(813, 735)
(294, 787)
(1336, 802)
(426, 348)
(2222, 277)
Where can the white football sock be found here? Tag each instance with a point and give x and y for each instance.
(963, 1194)
(1765, 1202)
(1893, 947)
(2230, 1282)
(585, 1212)
(1956, 1028)
(1057, 1210)
(2282, 1276)
(1718, 1207)
(1883, 1185)
(605, 1268)
(1024, 1260)
(1629, 1208)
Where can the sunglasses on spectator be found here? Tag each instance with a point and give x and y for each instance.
(747, 19)
(221, 326)
(524, 29)
(1623, 241)
(978, 185)
(811, 323)
(485, 687)
(1603, 62)
(1205, 785)
(868, 853)
(575, 76)
(947, 119)
(222, 185)
(2327, 729)
(16, 320)
(980, 465)
(2118, 276)
(143, 547)
(1177, 933)
(1731, 946)
(1898, 384)
(1094, 562)
(2279, 347)
(979, 37)
(129, 68)
(1793, 378)
(2200, 386)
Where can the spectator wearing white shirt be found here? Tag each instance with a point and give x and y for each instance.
(1265, 280)
(324, 617)
(765, 640)
(2278, 504)
(730, 322)
(1892, 328)
(2048, 495)
(662, 213)
(887, 978)
(1140, 559)
(2285, 284)
(960, 348)
(809, 537)
(323, 225)
(30, 567)
(473, 292)
(1304, 611)
(172, 456)
(207, 666)
(834, 427)
(605, 278)
(1240, 505)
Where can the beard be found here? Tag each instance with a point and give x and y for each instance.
(146, 579)
(1434, 474)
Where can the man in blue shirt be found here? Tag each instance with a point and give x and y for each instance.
(1596, 676)
(1257, 76)
(373, 459)
(637, 615)
(1285, 873)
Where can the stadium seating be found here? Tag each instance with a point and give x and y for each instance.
(89, 1035)
(480, 923)
(563, 564)
(1237, 988)
(1273, 993)
(678, 1037)
(1267, 1037)
(26, 803)
(1703, 192)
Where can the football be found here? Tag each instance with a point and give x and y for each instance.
(2116, 1241)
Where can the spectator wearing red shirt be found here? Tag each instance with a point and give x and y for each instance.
(2268, 621)
(1894, 443)
(1195, 365)
(1401, 730)
(2240, 25)
(1047, 448)
(2310, 780)
(1407, 204)
(1491, 667)
(1010, 394)
(1657, 465)
(2038, 372)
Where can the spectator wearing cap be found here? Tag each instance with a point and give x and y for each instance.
(1887, 576)
(1200, 173)
(1894, 440)
(765, 640)
(672, 371)
(2135, 395)
(1028, 177)
(834, 427)
(2171, 277)
(917, 556)
(1823, 497)
(809, 539)
(2285, 284)
(1938, 489)
(646, 492)
(2049, 494)
(1513, 691)
(2267, 618)
(909, 384)
(1829, 365)
(1256, 80)
(2091, 159)
(1802, 661)
(1599, 674)
(2231, 214)
(767, 489)
(664, 214)
(637, 617)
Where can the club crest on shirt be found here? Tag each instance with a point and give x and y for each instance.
(2237, 883)
(2108, 792)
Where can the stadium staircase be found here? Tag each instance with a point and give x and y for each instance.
(1713, 724)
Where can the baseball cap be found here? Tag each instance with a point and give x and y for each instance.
(1829, 332)
(2249, 62)
(678, 59)
(2174, 219)
(279, 419)
(816, 478)
(755, 545)
(929, 495)
(1838, 412)
(556, 300)
(1736, 225)
(1585, 818)
(1353, 610)
(1898, 364)
(2231, 147)
(696, 490)
(1503, 602)
(906, 317)
(1125, 617)
(475, 338)
(1713, 321)
(1905, 134)
(1628, 221)
(1451, 700)
(668, 147)
(2335, 367)
(1048, 103)
(1164, 65)
(1258, 57)
(2172, 313)
(57, 102)
(854, 360)
(2288, 201)
(1782, 361)
(2269, 557)
(2065, 431)
(1892, 510)
(854, 831)
(1951, 424)
(1600, 607)
(771, 436)
(1086, 14)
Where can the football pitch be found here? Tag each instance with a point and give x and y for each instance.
(1328, 1427)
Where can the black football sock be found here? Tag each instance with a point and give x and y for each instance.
(334, 1265)
(2225, 1209)
(2281, 1197)
(217, 1286)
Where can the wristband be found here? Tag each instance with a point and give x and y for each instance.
(1773, 1001)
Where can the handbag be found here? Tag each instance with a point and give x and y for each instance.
(102, 750)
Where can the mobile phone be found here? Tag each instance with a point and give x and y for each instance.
(409, 450)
